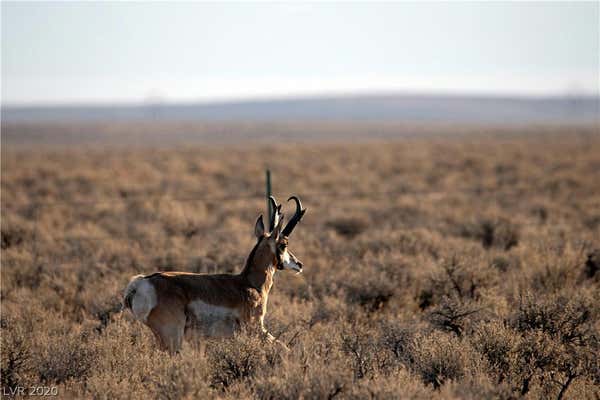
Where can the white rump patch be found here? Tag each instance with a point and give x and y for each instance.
(144, 298)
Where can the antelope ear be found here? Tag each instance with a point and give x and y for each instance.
(259, 228)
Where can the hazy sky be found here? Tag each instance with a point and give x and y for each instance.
(102, 52)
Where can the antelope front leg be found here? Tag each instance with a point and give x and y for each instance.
(270, 338)
(267, 336)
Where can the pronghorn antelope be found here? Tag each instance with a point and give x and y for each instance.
(178, 305)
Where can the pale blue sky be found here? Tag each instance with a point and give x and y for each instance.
(130, 52)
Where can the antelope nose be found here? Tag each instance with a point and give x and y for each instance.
(300, 265)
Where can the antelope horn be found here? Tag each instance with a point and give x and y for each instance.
(296, 218)
(275, 210)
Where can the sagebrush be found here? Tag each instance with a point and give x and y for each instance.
(438, 267)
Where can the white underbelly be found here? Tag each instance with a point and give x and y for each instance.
(210, 320)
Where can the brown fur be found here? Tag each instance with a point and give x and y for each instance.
(246, 292)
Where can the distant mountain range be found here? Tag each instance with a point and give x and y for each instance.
(409, 108)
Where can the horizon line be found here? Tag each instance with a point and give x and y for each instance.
(267, 98)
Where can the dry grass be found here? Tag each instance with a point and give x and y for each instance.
(414, 286)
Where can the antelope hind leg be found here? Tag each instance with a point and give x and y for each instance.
(168, 324)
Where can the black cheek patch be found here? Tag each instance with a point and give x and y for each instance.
(278, 263)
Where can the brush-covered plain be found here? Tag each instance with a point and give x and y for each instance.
(437, 267)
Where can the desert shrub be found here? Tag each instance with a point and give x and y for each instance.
(505, 263)
(399, 383)
(239, 360)
(501, 263)
(552, 277)
(348, 226)
(180, 377)
(572, 365)
(439, 358)
(127, 361)
(592, 222)
(16, 230)
(425, 298)
(364, 351)
(498, 232)
(11, 237)
(412, 242)
(16, 356)
(455, 278)
(569, 318)
(529, 362)
(105, 313)
(306, 374)
(397, 338)
(540, 211)
(535, 354)
(144, 373)
(372, 294)
(453, 315)
(71, 356)
(559, 342)
(167, 262)
(202, 265)
(478, 386)
(497, 343)
(592, 264)
(30, 275)
(556, 264)
(329, 309)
